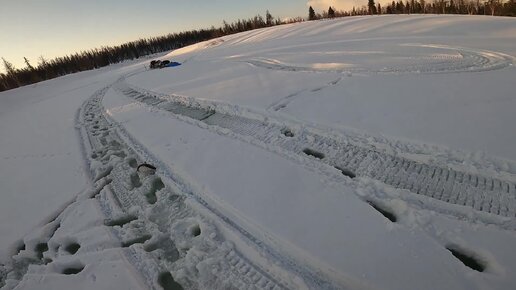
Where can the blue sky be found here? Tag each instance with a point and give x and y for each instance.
(57, 27)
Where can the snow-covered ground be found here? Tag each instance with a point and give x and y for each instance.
(355, 153)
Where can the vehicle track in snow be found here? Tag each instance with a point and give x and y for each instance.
(154, 216)
(482, 193)
(454, 60)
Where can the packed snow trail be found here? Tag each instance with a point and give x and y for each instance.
(165, 221)
(482, 193)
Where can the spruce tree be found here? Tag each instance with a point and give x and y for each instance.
(268, 18)
(9, 67)
(29, 66)
(11, 72)
(311, 13)
(372, 7)
(331, 12)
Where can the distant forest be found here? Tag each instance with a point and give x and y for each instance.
(100, 57)
(470, 7)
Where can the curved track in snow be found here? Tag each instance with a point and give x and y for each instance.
(482, 193)
(434, 59)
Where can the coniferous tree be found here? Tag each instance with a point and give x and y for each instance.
(400, 7)
(11, 72)
(31, 74)
(3, 82)
(268, 18)
(510, 8)
(311, 13)
(27, 63)
(331, 12)
(9, 67)
(371, 6)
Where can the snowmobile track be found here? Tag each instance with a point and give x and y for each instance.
(164, 209)
(482, 193)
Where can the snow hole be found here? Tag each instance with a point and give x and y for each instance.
(72, 248)
(287, 132)
(346, 172)
(47, 261)
(40, 249)
(21, 247)
(195, 230)
(156, 186)
(72, 270)
(385, 212)
(467, 259)
(120, 221)
(166, 281)
(313, 153)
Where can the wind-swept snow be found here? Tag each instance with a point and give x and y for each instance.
(355, 153)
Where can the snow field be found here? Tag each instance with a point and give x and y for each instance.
(356, 153)
(202, 165)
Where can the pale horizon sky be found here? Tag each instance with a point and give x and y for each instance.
(52, 28)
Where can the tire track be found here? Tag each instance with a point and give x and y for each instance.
(482, 193)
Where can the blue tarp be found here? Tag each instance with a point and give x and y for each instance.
(172, 64)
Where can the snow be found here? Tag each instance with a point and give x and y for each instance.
(389, 75)
(332, 226)
(234, 201)
(104, 265)
(42, 162)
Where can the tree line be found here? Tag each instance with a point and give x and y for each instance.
(100, 57)
(471, 7)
